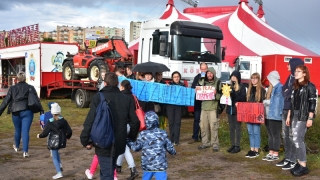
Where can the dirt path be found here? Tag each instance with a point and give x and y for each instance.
(189, 163)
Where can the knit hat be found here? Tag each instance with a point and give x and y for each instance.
(274, 77)
(55, 108)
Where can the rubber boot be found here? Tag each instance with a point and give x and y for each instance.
(134, 173)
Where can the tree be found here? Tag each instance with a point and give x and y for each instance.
(49, 39)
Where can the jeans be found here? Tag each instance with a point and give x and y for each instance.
(22, 124)
(235, 130)
(159, 175)
(274, 130)
(209, 126)
(299, 129)
(254, 135)
(127, 154)
(174, 118)
(196, 124)
(107, 167)
(289, 148)
(56, 160)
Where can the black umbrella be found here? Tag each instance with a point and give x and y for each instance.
(150, 67)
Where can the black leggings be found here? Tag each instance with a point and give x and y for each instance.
(274, 130)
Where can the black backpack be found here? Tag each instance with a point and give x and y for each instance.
(57, 138)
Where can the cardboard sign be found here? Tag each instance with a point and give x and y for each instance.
(250, 112)
(204, 93)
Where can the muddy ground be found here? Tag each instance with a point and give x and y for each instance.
(189, 163)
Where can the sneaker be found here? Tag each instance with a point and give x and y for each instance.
(300, 171)
(175, 144)
(267, 157)
(288, 166)
(15, 148)
(25, 155)
(282, 163)
(249, 153)
(193, 141)
(236, 149)
(231, 148)
(89, 175)
(254, 154)
(57, 176)
(273, 158)
(215, 149)
(203, 147)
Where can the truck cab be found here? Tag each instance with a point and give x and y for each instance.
(181, 45)
(248, 65)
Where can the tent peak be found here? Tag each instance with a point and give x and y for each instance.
(245, 1)
(170, 2)
(260, 11)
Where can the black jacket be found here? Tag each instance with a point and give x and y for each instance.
(252, 97)
(17, 97)
(236, 96)
(308, 101)
(197, 103)
(287, 87)
(132, 76)
(57, 125)
(123, 110)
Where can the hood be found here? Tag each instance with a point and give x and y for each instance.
(237, 74)
(294, 62)
(152, 120)
(212, 70)
(274, 77)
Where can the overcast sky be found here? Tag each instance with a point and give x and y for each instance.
(298, 20)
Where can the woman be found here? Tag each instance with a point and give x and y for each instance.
(256, 93)
(21, 116)
(125, 88)
(301, 113)
(238, 94)
(274, 115)
(147, 106)
(174, 112)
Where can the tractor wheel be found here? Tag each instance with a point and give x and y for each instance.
(68, 71)
(81, 98)
(96, 67)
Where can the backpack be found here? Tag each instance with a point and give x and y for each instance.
(57, 139)
(102, 134)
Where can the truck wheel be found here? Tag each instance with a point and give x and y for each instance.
(81, 99)
(68, 71)
(96, 67)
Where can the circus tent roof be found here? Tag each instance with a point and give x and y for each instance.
(245, 33)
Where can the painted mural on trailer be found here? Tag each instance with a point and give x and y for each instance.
(57, 61)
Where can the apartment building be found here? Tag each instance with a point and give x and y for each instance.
(134, 30)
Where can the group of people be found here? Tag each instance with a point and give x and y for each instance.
(289, 109)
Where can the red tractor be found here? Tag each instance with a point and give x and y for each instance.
(105, 57)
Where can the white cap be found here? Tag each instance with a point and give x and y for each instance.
(55, 108)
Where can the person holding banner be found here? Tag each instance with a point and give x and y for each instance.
(238, 94)
(274, 115)
(301, 114)
(147, 106)
(129, 73)
(256, 93)
(162, 113)
(209, 123)
(174, 112)
(197, 104)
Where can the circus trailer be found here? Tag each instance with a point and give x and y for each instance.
(280, 63)
(42, 63)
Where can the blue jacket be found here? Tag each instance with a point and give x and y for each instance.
(276, 103)
(154, 143)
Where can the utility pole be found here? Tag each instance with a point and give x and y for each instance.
(191, 2)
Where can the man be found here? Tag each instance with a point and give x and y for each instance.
(209, 123)
(197, 104)
(123, 112)
(290, 158)
(100, 81)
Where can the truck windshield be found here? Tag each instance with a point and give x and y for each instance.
(244, 65)
(188, 48)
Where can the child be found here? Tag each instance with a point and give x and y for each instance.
(154, 143)
(256, 93)
(57, 122)
(44, 118)
(90, 172)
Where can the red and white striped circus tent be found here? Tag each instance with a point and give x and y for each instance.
(245, 33)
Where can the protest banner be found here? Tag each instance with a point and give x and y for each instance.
(204, 93)
(250, 112)
(161, 93)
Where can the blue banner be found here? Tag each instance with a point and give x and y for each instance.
(161, 93)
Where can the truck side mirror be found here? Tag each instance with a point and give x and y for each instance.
(163, 45)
